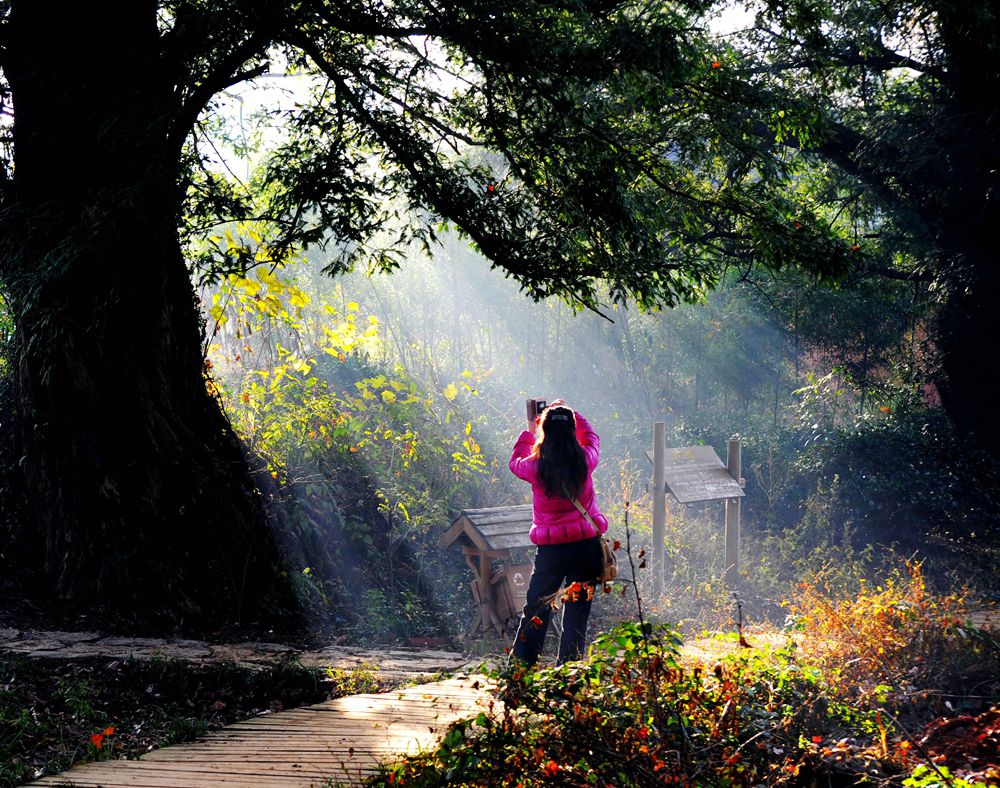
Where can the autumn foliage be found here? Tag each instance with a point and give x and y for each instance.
(853, 689)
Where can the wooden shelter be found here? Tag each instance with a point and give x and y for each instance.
(489, 535)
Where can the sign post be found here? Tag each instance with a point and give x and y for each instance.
(692, 474)
(659, 505)
(734, 462)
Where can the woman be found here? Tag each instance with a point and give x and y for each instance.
(558, 464)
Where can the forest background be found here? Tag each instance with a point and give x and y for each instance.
(386, 404)
(829, 319)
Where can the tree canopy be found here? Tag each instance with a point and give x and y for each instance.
(644, 149)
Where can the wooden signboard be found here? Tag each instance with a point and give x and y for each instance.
(695, 473)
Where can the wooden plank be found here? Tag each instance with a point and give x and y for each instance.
(695, 473)
(492, 530)
(501, 522)
(455, 532)
(345, 749)
(480, 517)
(442, 718)
(488, 511)
(512, 542)
(505, 539)
(142, 779)
(985, 619)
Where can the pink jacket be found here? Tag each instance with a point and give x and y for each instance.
(556, 520)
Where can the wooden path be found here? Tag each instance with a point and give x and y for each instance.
(339, 742)
(391, 662)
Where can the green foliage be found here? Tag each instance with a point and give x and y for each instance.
(78, 695)
(404, 616)
(359, 450)
(354, 680)
(6, 336)
(911, 480)
(182, 729)
(548, 165)
(940, 777)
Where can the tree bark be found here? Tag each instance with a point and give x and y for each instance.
(139, 499)
(967, 335)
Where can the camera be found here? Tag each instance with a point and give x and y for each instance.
(534, 408)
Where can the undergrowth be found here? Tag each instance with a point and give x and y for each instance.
(849, 697)
(57, 712)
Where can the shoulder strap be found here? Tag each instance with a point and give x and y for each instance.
(586, 515)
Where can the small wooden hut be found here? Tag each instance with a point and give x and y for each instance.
(495, 535)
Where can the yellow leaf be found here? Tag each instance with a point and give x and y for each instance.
(450, 392)
(247, 285)
(388, 396)
(299, 298)
(353, 306)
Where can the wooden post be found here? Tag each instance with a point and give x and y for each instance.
(659, 505)
(485, 592)
(734, 462)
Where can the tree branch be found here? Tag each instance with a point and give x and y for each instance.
(226, 74)
(416, 113)
(900, 276)
(368, 25)
(852, 56)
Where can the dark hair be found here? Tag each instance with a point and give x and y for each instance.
(562, 465)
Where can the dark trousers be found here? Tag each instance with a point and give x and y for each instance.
(571, 562)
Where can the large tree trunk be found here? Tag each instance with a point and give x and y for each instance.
(139, 498)
(968, 334)
(969, 163)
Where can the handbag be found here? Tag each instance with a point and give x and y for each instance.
(609, 562)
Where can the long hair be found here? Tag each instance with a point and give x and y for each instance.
(562, 465)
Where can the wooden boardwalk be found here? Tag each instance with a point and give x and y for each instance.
(339, 742)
